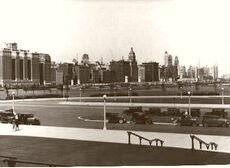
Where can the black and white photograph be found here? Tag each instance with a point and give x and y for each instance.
(114, 83)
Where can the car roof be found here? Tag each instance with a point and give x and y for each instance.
(212, 116)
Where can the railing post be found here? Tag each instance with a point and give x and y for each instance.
(192, 137)
(150, 142)
(156, 142)
(129, 134)
(162, 143)
(200, 144)
(140, 140)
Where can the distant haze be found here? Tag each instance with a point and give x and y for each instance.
(197, 31)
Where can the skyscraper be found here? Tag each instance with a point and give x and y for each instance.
(166, 58)
(133, 66)
(170, 60)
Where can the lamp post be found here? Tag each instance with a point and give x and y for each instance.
(189, 110)
(80, 94)
(104, 97)
(181, 92)
(222, 90)
(13, 93)
(130, 94)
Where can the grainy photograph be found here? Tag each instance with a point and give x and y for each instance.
(114, 83)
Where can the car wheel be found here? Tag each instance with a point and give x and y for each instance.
(148, 122)
(121, 121)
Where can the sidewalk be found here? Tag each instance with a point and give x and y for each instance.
(115, 136)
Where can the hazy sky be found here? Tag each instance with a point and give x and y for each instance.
(194, 30)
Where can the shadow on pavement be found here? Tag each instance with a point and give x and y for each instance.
(86, 153)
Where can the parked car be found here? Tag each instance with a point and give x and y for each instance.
(153, 111)
(141, 118)
(172, 112)
(115, 118)
(128, 113)
(215, 121)
(132, 110)
(218, 112)
(6, 116)
(188, 120)
(28, 119)
(195, 112)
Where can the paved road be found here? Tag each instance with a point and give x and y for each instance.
(162, 105)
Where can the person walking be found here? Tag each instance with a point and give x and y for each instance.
(13, 122)
(16, 122)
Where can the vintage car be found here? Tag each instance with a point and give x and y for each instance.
(218, 112)
(6, 116)
(141, 118)
(188, 120)
(215, 121)
(28, 119)
(115, 118)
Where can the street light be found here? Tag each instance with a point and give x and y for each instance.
(13, 93)
(130, 94)
(222, 90)
(189, 110)
(104, 97)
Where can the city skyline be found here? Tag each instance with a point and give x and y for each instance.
(195, 31)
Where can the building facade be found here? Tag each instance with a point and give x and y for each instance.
(19, 67)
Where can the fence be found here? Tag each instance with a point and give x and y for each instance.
(12, 161)
(212, 144)
(143, 138)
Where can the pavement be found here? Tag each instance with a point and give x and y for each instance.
(115, 136)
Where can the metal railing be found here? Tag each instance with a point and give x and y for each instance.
(12, 161)
(212, 144)
(143, 138)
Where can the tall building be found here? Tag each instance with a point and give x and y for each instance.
(215, 71)
(170, 60)
(176, 61)
(151, 71)
(133, 66)
(123, 69)
(5, 66)
(166, 58)
(120, 69)
(18, 67)
(45, 69)
(141, 73)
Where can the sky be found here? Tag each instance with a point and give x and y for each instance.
(197, 31)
